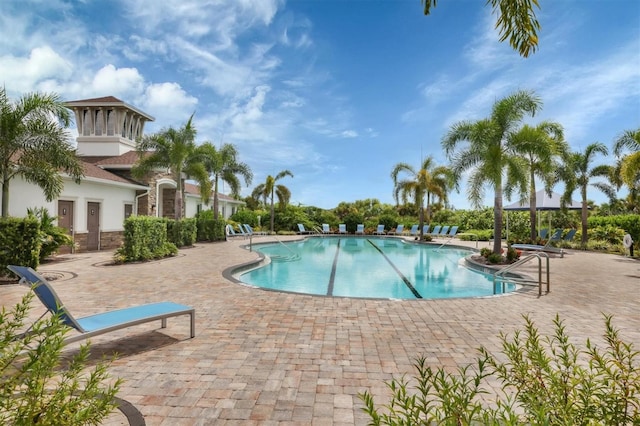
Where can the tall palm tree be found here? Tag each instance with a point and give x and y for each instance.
(487, 152)
(540, 148)
(429, 180)
(222, 164)
(34, 144)
(174, 150)
(269, 190)
(577, 174)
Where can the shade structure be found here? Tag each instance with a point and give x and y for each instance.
(543, 202)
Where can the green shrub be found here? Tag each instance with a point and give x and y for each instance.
(37, 386)
(52, 237)
(351, 220)
(145, 238)
(495, 258)
(210, 229)
(182, 232)
(545, 381)
(485, 251)
(247, 216)
(20, 242)
(476, 235)
(629, 223)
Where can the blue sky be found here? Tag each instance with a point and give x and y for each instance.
(336, 91)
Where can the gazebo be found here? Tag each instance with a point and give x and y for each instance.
(543, 202)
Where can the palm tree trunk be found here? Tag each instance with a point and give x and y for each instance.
(497, 219)
(5, 197)
(272, 211)
(215, 198)
(532, 208)
(585, 212)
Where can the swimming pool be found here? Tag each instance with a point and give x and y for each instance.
(370, 268)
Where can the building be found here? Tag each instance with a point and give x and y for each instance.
(94, 210)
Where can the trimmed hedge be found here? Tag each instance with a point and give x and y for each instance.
(20, 243)
(182, 232)
(145, 238)
(210, 229)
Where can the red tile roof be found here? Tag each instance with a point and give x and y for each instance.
(93, 171)
(102, 99)
(126, 159)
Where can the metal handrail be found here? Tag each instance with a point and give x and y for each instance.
(500, 275)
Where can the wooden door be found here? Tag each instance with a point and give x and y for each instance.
(65, 220)
(93, 226)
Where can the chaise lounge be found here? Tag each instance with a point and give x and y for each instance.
(94, 325)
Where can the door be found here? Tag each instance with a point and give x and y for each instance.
(65, 220)
(93, 226)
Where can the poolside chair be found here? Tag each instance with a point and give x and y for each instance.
(425, 229)
(413, 231)
(380, 230)
(342, 228)
(360, 229)
(325, 228)
(543, 233)
(399, 230)
(302, 230)
(436, 231)
(443, 231)
(570, 235)
(449, 235)
(105, 322)
(230, 232)
(242, 231)
(250, 230)
(556, 236)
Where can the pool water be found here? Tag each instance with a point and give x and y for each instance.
(371, 268)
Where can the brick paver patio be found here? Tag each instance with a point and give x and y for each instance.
(264, 357)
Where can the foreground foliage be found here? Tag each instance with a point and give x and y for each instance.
(37, 386)
(545, 381)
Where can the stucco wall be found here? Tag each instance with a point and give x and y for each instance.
(112, 201)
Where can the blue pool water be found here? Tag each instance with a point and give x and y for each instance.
(369, 267)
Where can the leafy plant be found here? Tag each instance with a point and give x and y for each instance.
(38, 386)
(52, 237)
(545, 381)
(495, 258)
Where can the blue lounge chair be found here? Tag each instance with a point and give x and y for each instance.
(325, 228)
(570, 235)
(453, 231)
(399, 229)
(342, 228)
(242, 231)
(249, 230)
(360, 229)
(413, 231)
(443, 231)
(556, 236)
(231, 232)
(380, 230)
(436, 231)
(105, 322)
(425, 229)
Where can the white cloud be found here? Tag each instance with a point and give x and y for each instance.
(125, 83)
(24, 73)
(349, 134)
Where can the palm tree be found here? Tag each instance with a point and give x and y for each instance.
(269, 190)
(516, 21)
(487, 152)
(34, 144)
(540, 148)
(429, 180)
(630, 164)
(222, 164)
(577, 174)
(174, 150)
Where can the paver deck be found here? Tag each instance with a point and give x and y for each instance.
(266, 358)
